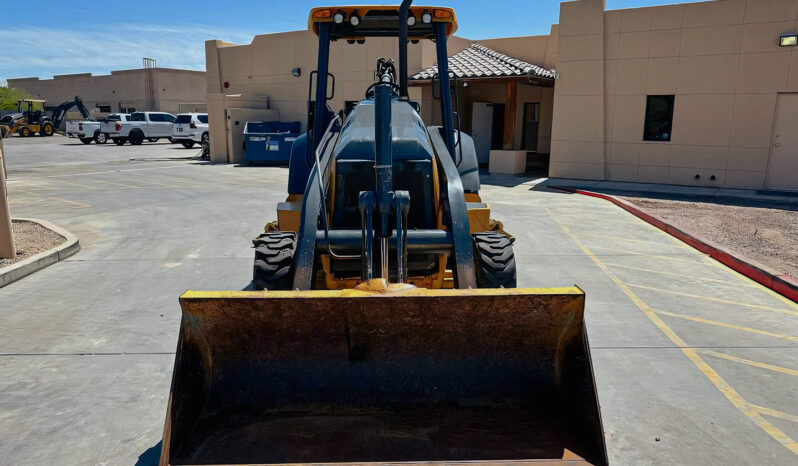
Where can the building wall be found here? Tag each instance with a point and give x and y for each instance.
(720, 59)
(125, 88)
(262, 69)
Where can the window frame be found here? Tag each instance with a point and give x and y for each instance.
(651, 133)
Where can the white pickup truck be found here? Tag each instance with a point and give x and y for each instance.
(109, 123)
(140, 126)
(86, 131)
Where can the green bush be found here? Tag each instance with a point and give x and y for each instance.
(9, 97)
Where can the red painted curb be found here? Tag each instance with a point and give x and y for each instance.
(782, 284)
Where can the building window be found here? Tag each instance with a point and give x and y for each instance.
(127, 109)
(659, 118)
(104, 108)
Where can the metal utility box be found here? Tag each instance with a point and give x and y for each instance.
(270, 141)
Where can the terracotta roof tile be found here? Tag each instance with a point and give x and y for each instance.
(479, 61)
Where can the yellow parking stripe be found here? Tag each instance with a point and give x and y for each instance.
(728, 325)
(774, 413)
(684, 276)
(674, 257)
(723, 386)
(761, 365)
(715, 300)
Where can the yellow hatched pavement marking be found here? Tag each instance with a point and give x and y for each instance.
(675, 257)
(749, 362)
(681, 275)
(774, 413)
(715, 300)
(743, 406)
(675, 243)
(708, 260)
(716, 323)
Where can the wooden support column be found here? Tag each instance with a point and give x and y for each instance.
(509, 115)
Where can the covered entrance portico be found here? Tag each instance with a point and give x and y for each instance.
(502, 102)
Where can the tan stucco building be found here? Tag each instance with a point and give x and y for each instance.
(144, 89)
(693, 94)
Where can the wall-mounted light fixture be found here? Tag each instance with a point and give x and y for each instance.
(788, 40)
(297, 72)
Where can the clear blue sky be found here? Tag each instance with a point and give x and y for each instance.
(62, 37)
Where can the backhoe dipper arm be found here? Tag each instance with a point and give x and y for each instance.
(60, 112)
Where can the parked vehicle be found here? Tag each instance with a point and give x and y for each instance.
(151, 126)
(190, 128)
(86, 131)
(109, 125)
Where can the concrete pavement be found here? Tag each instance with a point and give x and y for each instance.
(694, 363)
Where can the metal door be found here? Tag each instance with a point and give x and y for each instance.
(783, 168)
(482, 130)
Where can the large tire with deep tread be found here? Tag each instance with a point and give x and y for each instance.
(136, 138)
(274, 259)
(46, 129)
(495, 260)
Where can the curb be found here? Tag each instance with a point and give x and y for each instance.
(782, 284)
(35, 263)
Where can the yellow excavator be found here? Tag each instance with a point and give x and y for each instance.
(385, 324)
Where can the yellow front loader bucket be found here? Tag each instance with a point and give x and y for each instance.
(391, 376)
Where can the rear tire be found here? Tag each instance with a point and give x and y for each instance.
(495, 260)
(136, 138)
(188, 144)
(100, 138)
(46, 129)
(274, 259)
(86, 140)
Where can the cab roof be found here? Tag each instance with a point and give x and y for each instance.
(380, 21)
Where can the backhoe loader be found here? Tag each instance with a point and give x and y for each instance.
(31, 117)
(385, 324)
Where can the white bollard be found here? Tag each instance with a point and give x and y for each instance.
(7, 250)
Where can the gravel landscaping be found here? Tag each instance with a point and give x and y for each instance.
(766, 232)
(30, 239)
